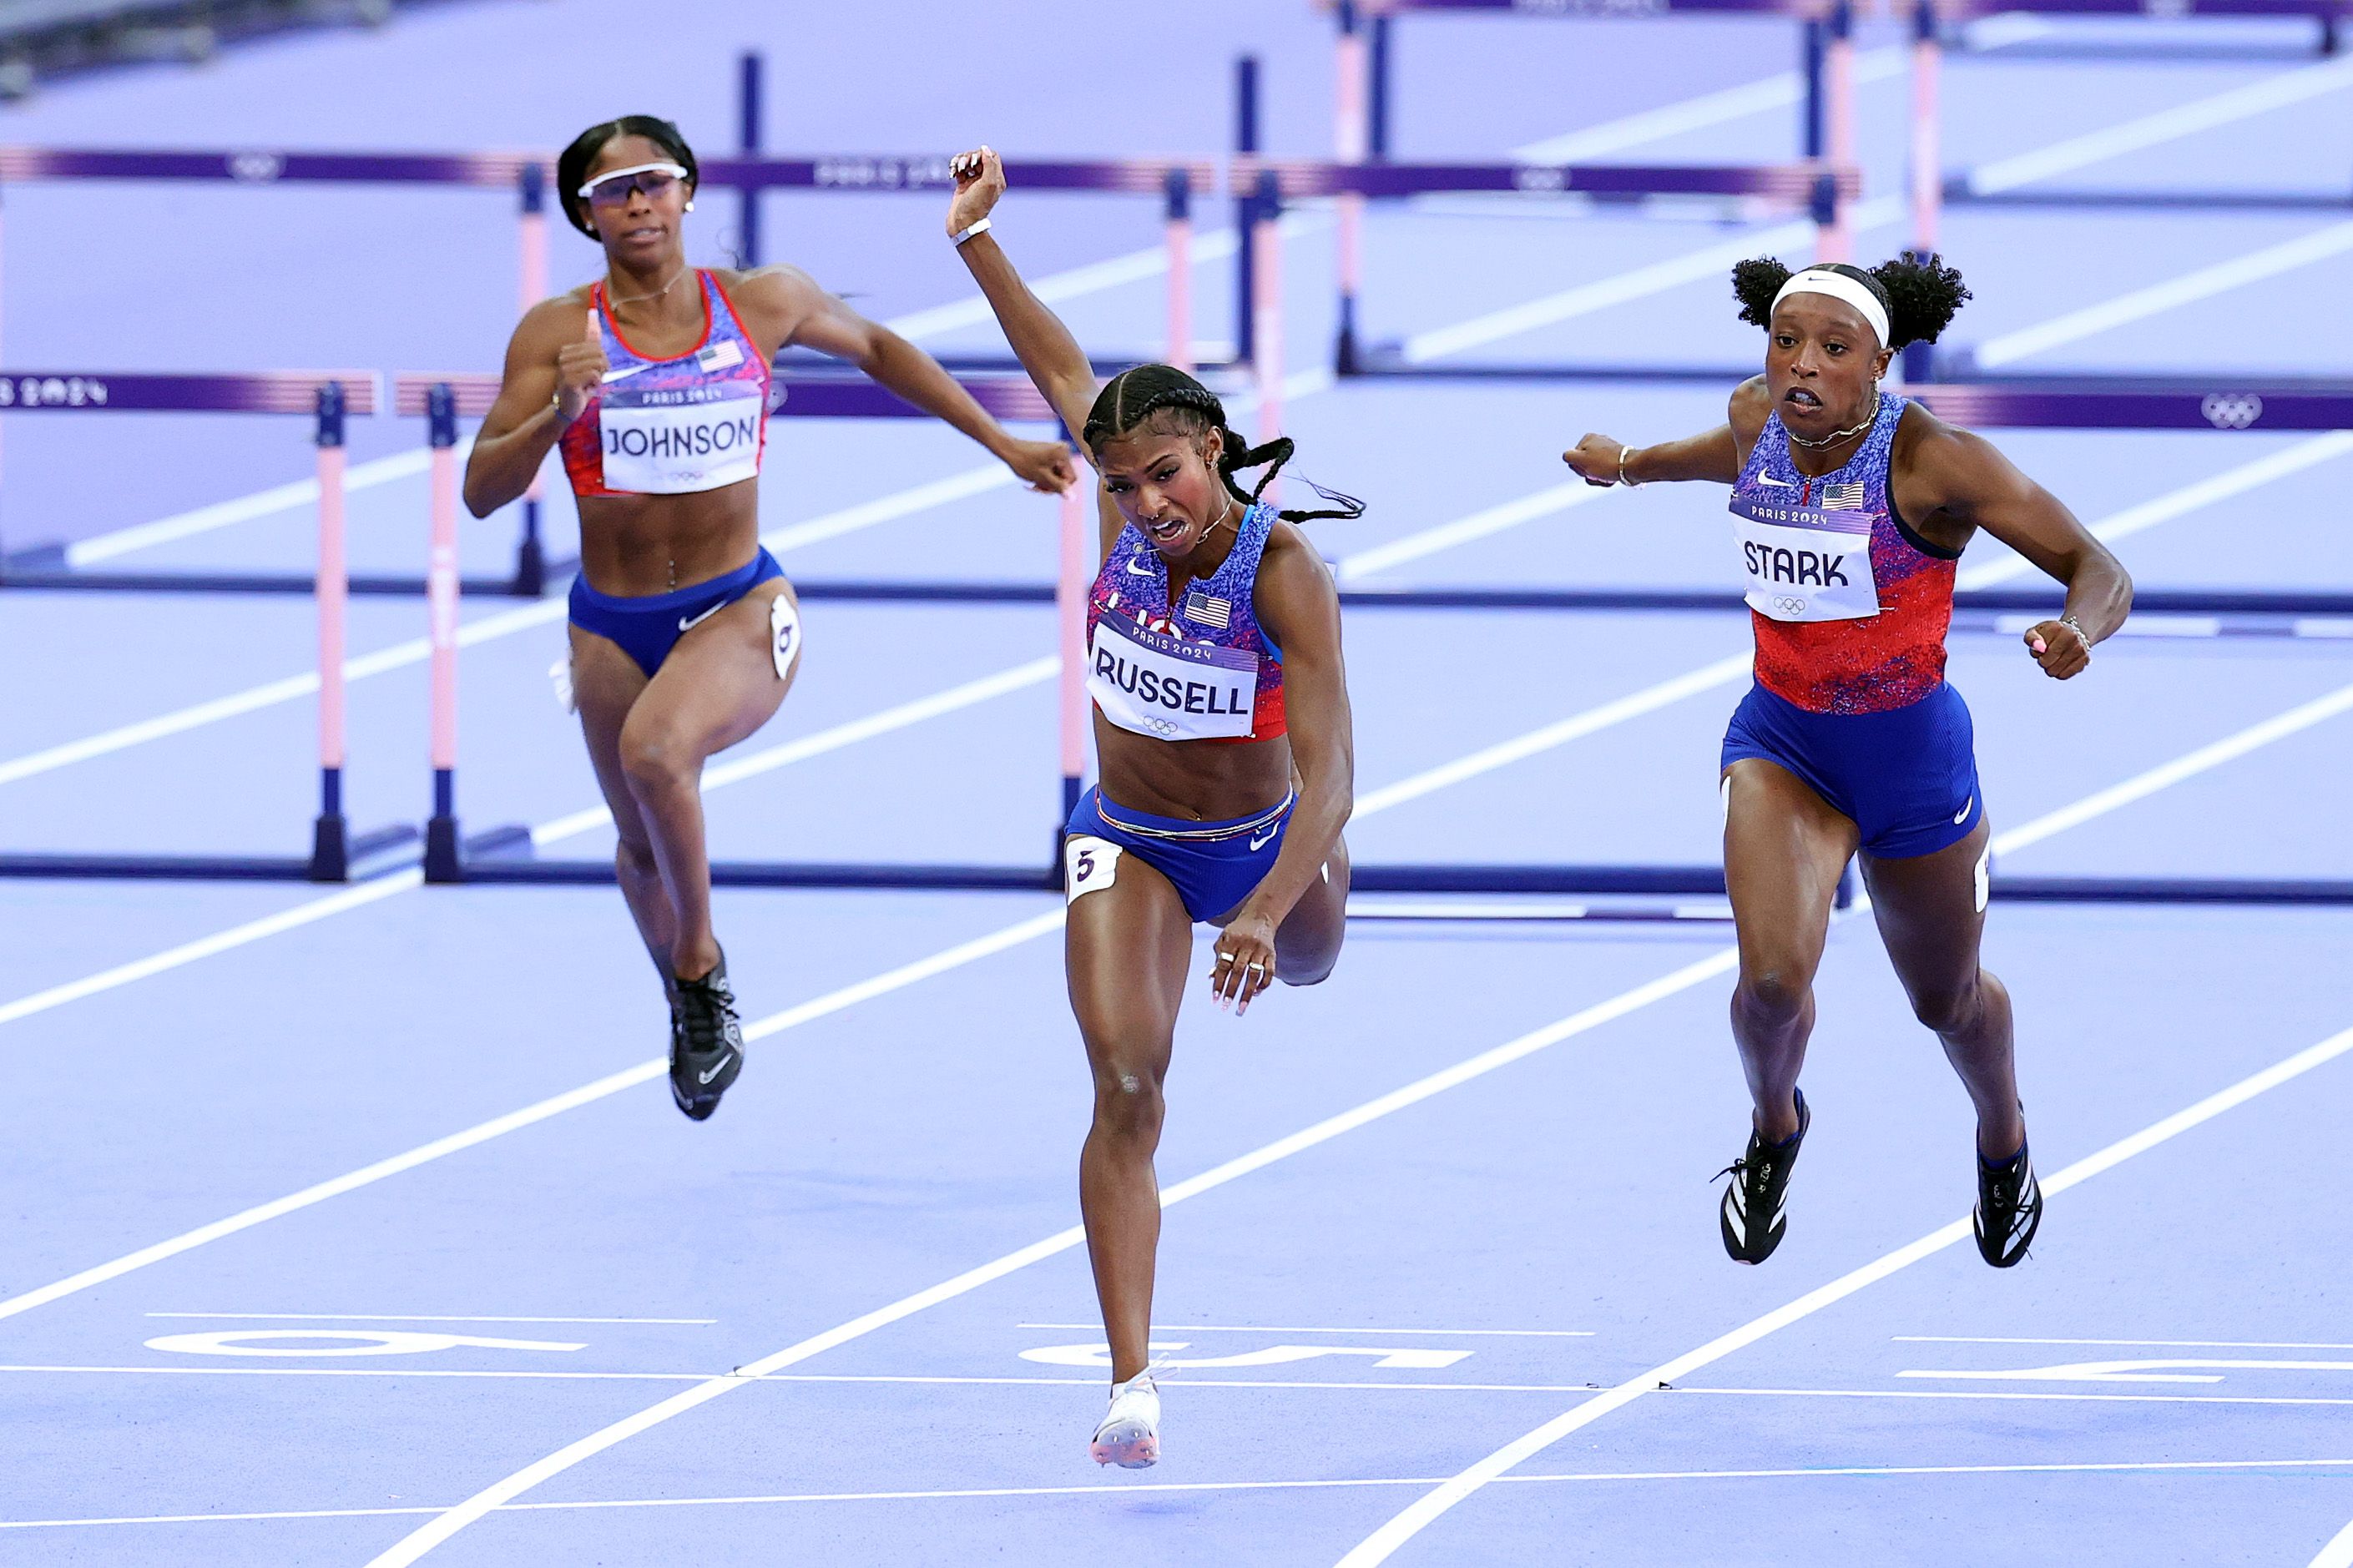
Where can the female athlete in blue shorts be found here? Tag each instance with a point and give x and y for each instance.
(685, 636)
(1851, 506)
(1222, 731)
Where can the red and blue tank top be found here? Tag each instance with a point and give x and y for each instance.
(1849, 606)
(673, 426)
(1199, 669)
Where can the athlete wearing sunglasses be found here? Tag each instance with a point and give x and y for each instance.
(685, 636)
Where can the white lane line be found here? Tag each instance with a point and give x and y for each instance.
(244, 508)
(421, 1317)
(2302, 717)
(1694, 266)
(1294, 1329)
(555, 1105)
(790, 752)
(1481, 524)
(2166, 126)
(1123, 1488)
(423, 1540)
(2171, 294)
(206, 946)
(1707, 677)
(2185, 1344)
(1428, 1509)
(2189, 497)
(1681, 1389)
(2337, 1554)
(441, 1528)
(785, 754)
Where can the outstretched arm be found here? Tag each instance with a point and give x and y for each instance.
(1714, 455)
(822, 321)
(1300, 608)
(1045, 347)
(1955, 482)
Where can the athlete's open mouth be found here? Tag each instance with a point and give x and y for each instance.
(1163, 532)
(1801, 398)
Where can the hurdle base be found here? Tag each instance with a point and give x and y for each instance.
(157, 868)
(787, 874)
(70, 580)
(331, 859)
(444, 857)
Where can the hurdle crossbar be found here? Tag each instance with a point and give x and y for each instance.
(328, 398)
(524, 173)
(1824, 185)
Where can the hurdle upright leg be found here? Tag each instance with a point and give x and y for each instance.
(1836, 242)
(1351, 140)
(1927, 169)
(1245, 208)
(443, 861)
(530, 555)
(1265, 240)
(1179, 212)
(1070, 610)
(329, 836)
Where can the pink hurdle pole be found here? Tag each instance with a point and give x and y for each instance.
(1352, 142)
(1180, 268)
(1837, 238)
(531, 249)
(1070, 607)
(1265, 240)
(330, 840)
(443, 860)
(1928, 128)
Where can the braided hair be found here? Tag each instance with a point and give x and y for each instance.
(1160, 393)
(1921, 293)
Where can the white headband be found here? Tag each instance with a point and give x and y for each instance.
(1837, 285)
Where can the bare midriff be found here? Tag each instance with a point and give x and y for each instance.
(631, 546)
(1200, 779)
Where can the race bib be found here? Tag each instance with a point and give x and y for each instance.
(655, 446)
(1089, 865)
(783, 635)
(1165, 686)
(1802, 571)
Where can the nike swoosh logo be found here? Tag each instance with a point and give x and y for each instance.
(721, 1066)
(626, 372)
(1138, 567)
(1777, 484)
(686, 625)
(1258, 843)
(1963, 815)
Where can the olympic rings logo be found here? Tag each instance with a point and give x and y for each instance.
(1789, 605)
(2230, 411)
(52, 392)
(258, 168)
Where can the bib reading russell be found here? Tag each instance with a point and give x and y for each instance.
(673, 426)
(1200, 670)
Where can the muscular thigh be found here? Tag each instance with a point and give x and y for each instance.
(720, 683)
(1931, 910)
(1785, 848)
(606, 684)
(1127, 946)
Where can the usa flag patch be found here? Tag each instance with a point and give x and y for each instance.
(1215, 612)
(1842, 498)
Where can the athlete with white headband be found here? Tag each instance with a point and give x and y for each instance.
(655, 380)
(1222, 728)
(1851, 506)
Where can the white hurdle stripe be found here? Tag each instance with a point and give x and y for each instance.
(2338, 1552)
(1427, 1510)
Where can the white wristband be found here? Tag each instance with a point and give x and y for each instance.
(980, 227)
(1625, 452)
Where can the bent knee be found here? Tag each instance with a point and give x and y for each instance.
(1128, 1103)
(652, 757)
(1946, 1009)
(1309, 969)
(1772, 995)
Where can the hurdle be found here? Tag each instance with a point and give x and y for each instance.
(328, 398)
(523, 174)
(1823, 184)
(1932, 189)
